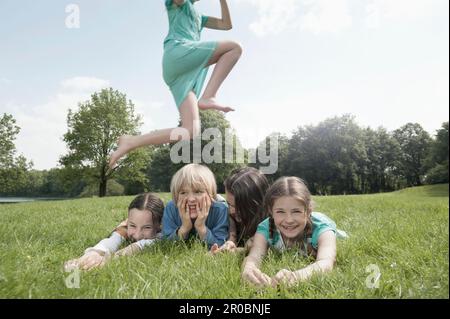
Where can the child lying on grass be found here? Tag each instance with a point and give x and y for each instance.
(292, 225)
(142, 228)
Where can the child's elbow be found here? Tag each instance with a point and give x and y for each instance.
(227, 26)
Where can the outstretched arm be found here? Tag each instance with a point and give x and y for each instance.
(221, 24)
(326, 257)
(251, 272)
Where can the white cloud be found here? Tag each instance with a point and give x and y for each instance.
(43, 125)
(5, 81)
(379, 11)
(317, 16)
(333, 16)
(148, 110)
(274, 16)
(326, 16)
(84, 84)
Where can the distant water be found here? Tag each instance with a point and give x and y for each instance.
(10, 200)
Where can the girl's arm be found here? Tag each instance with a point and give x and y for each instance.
(231, 243)
(326, 257)
(108, 245)
(98, 255)
(221, 24)
(137, 247)
(252, 262)
(232, 234)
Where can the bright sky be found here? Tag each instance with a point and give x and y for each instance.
(384, 61)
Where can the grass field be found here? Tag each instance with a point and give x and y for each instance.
(403, 234)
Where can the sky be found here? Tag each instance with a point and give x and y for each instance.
(384, 61)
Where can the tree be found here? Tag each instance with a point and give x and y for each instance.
(383, 153)
(414, 144)
(283, 151)
(13, 169)
(437, 161)
(221, 168)
(8, 133)
(328, 156)
(66, 181)
(162, 168)
(93, 131)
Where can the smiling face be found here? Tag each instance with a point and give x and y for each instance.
(290, 217)
(194, 196)
(140, 225)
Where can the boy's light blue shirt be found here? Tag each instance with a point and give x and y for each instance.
(216, 223)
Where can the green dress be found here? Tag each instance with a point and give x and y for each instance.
(185, 56)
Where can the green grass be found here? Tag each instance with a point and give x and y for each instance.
(404, 233)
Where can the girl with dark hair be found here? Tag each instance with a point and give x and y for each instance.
(245, 189)
(142, 228)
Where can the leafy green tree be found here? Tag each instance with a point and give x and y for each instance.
(113, 189)
(282, 156)
(437, 161)
(383, 153)
(162, 168)
(327, 156)
(92, 135)
(414, 144)
(13, 168)
(66, 181)
(8, 133)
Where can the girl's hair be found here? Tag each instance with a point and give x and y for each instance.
(248, 186)
(150, 202)
(292, 187)
(193, 176)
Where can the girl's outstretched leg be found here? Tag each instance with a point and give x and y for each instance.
(225, 57)
(190, 122)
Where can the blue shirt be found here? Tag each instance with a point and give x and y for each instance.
(216, 223)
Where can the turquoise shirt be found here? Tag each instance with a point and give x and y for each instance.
(185, 23)
(320, 224)
(185, 56)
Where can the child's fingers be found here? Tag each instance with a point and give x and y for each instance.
(198, 208)
(257, 279)
(184, 205)
(208, 202)
(232, 246)
(215, 249)
(180, 206)
(71, 265)
(204, 205)
(284, 276)
(250, 277)
(263, 278)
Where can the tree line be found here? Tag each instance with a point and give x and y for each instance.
(336, 156)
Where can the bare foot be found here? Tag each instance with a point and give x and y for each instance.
(211, 103)
(124, 146)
